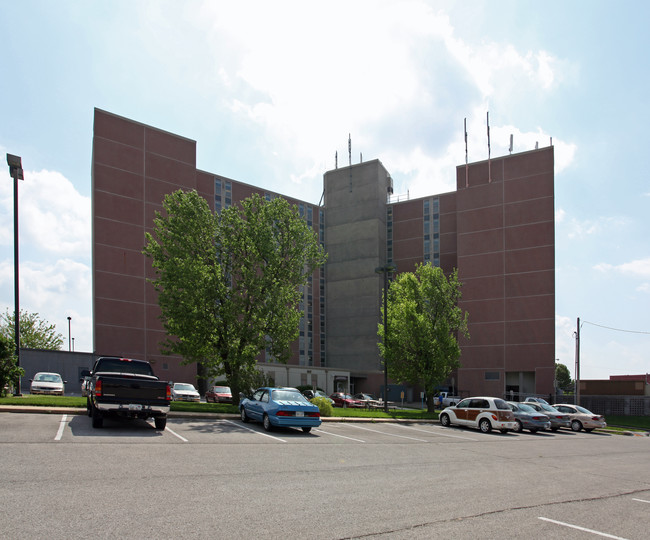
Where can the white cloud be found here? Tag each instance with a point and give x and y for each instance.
(54, 216)
(308, 85)
(636, 268)
(55, 245)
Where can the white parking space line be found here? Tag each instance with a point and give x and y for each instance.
(641, 500)
(337, 435)
(432, 432)
(387, 434)
(176, 434)
(59, 434)
(582, 529)
(254, 431)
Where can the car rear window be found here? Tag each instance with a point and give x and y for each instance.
(288, 395)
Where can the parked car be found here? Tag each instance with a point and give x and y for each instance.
(557, 418)
(218, 394)
(445, 399)
(370, 401)
(84, 380)
(184, 392)
(582, 418)
(535, 400)
(280, 407)
(127, 388)
(341, 399)
(528, 418)
(485, 413)
(47, 383)
(311, 394)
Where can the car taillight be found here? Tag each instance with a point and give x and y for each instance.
(285, 413)
(98, 388)
(168, 393)
(313, 414)
(595, 417)
(538, 418)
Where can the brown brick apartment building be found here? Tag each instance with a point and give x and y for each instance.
(498, 232)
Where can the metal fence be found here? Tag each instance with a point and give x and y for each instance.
(605, 405)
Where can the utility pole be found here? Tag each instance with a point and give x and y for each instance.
(577, 334)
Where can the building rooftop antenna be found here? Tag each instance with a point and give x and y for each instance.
(466, 166)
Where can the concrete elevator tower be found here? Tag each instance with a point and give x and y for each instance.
(355, 239)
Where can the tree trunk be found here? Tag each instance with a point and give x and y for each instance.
(431, 402)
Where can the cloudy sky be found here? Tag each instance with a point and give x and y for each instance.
(271, 90)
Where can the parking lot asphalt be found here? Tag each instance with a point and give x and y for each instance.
(217, 477)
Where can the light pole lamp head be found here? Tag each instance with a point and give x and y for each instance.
(15, 166)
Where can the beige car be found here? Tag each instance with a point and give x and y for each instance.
(581, 418)
(485, 413)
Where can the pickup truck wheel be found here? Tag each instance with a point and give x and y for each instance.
(267, 423)
(444, 420)
(244, 416)
(160, 422)
(98, 421)
(306, 429)
(485, 425)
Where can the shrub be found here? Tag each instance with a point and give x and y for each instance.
(324, 406)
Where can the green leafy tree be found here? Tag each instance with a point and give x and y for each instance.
(563, 379)
(35, 333)
(229, 284)
(423, 323)
(9, 372)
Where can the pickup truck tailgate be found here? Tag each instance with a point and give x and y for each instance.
(133, 390)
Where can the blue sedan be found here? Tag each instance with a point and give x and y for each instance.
(280, 407)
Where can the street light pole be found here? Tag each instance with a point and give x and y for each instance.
(385, 270)
(69, 334)
(16, 172)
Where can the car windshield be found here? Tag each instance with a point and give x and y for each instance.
(222, 389)
(184, 386)
(48, 377)
(288, 395)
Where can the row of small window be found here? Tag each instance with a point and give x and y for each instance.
(389, 234)
(222, 194)
(427, 205)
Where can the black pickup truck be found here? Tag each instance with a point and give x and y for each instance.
(127, 388)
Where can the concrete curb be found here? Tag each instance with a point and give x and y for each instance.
(184, 414)
(231, 416)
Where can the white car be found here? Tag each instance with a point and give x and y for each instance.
(185, 392)
(47, 383)
(485, 413)
(581, 418)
